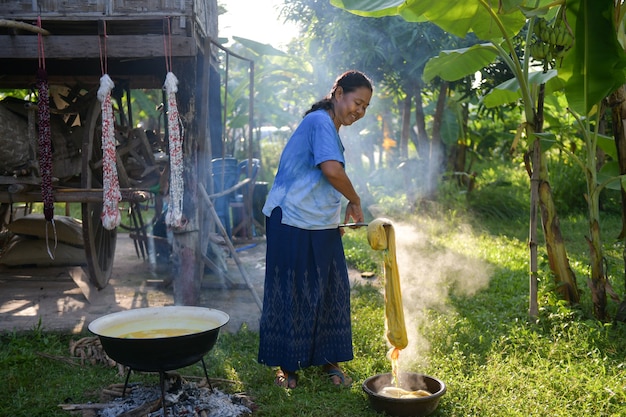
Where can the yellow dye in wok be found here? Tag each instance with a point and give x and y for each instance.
(157, 327)
(156, 333)
(395, 392)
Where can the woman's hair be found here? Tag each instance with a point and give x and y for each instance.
(348, 81)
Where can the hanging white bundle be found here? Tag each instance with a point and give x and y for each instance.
(175, 211)
(111, 188)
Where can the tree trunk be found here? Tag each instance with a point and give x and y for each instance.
(406, 127)
(541, 194)
(436, 155)
(422, 141)
(196, 78)
(457, 160)
(597, 283)
(535, 154)
(617, 101)
(188, 269)
(557, 255)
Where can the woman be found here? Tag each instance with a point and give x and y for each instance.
(306, 310)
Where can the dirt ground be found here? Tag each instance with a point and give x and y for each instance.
(52, 299)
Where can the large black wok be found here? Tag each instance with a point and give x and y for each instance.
(150, 339)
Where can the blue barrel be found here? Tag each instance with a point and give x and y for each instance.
(225, 175)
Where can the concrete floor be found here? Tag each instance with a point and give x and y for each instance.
(50, 298)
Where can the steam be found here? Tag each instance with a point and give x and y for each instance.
(428, 275)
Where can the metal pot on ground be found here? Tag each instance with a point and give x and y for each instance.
(404, 407)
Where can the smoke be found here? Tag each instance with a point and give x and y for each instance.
(428, 276)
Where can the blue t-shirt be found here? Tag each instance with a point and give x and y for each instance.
(306, 198)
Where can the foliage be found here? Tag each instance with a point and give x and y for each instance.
(497, 200)
(580, 65)
(568, 183)
(270, 155)
(359, 254)
(597, 64)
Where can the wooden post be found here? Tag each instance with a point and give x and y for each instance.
(189, 244)
(188, 267)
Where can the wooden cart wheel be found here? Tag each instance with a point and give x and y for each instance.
(99, 242)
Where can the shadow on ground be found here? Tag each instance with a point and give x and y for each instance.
(49, 298)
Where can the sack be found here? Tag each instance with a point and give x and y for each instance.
(15, 152)
(68, 229)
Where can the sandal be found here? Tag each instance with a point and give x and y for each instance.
(338, 377)
(287, 380)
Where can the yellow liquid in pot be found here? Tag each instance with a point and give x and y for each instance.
(156, 333)
(395, 392)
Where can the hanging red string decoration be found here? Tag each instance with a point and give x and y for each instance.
(111, 188)
(45, 143)
(174, 215)
(45, 137)
(111, 195)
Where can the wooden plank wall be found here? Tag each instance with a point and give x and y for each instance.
(17, 8)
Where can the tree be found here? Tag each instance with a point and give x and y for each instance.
(588, 79)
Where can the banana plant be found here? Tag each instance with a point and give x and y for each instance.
(595, 68)
(586, 81)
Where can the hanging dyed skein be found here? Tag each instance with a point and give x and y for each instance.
(382, 237)
(174, 215)
(45, 141)
(110, 188)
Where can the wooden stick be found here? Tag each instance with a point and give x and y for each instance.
(143, 409)
(75, 195)
(90, 406)
(57, 358)
(22, 25)
(233, 252)
(113, 393)
(200, 378)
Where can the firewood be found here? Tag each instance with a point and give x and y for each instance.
(90, 349)
(90, 406)
(143, 409)
(202, 379)
(57, 358)
(112, 393)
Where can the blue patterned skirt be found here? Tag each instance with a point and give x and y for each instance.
(306, 306)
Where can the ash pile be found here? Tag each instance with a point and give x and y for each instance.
(187, 400)
(182, 398)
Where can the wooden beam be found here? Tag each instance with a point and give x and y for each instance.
(73, 195)
(28, 80)
(118, 46)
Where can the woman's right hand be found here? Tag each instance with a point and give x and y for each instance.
(354, 212)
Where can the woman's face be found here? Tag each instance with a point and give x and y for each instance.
(350, 107)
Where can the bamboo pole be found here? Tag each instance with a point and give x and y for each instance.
(13, 24)
(73, 195)
(231, 248)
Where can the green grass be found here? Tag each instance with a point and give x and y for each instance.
(466, 299)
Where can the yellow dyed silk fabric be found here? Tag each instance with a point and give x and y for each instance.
(381, 237)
